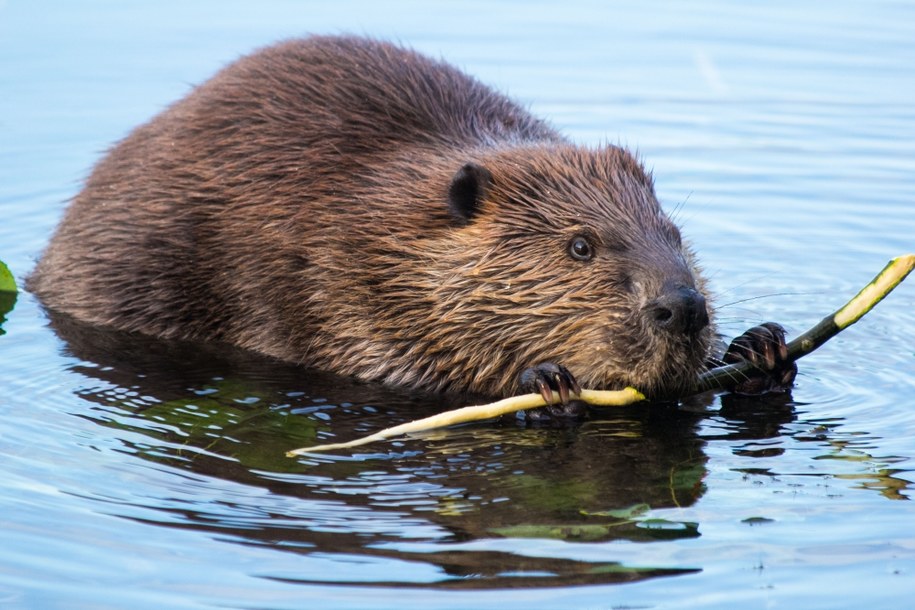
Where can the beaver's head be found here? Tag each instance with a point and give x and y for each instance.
(564, 254)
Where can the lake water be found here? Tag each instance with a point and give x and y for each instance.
(141, 474)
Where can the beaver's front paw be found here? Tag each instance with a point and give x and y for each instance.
(764, 346)
(546, 378)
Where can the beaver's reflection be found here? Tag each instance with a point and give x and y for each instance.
(224, 413)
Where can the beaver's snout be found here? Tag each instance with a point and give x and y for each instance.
(679, 309)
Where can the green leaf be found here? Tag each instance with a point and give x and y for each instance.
(7, 282)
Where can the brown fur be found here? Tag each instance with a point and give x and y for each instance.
(297, 204)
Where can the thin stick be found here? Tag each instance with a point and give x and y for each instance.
(465, 414)
(896, 270)
(717, 378)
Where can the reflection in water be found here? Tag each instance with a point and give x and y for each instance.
(228, 417)
(762, 425)
(7, 302)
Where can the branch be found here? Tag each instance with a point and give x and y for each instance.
(715, 379)
(896, 270)
(466, 414)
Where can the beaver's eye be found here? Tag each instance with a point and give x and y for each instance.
(581, 249)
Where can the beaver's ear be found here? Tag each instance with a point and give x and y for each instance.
(468, 187)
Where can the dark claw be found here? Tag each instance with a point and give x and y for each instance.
(764, 346)
(546, 378)
(545, 390)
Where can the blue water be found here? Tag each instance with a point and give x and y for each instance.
(140, 474)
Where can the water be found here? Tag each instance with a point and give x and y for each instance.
(143, 474)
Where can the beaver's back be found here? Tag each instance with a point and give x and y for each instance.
(184, 228)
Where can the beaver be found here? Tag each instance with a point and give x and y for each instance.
(352, 205)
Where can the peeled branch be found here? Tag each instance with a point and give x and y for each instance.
(717, 378)
(465, 414)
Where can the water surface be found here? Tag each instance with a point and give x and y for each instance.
(146, 474)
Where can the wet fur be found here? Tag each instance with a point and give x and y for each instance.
(297, 205)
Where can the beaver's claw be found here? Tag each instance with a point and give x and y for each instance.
(764, 346)
(546, 378)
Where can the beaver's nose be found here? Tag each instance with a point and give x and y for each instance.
(678, 309)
